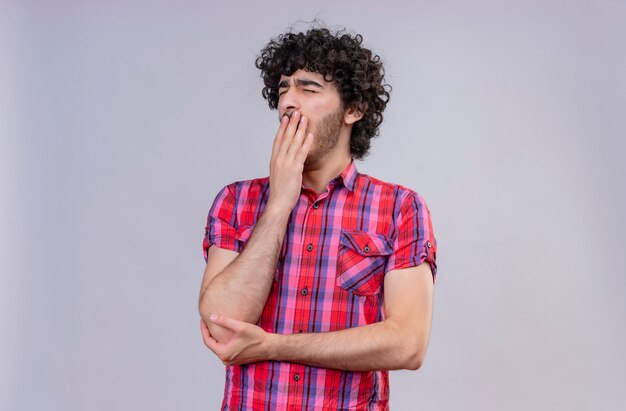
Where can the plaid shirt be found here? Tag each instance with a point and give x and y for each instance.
(337, 248)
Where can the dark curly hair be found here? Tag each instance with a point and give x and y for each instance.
(340, 58)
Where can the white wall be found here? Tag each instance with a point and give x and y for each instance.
(120, 121)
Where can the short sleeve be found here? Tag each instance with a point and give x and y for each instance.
(220, 227)
(415, 241)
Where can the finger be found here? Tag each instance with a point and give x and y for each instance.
(296, 143)
(284, 121)
(226, 322)
(213, 345)
(209, 341)
(289, 133)
(304, 149)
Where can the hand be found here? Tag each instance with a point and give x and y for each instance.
(247, 344)
(289, 151)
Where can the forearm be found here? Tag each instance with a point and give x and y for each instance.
(385, 345)
(240, 290)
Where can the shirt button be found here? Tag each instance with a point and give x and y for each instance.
(428, 244)
(316, 206)
(366, 249)
(304, 291)
(296, 377)
(309, 247)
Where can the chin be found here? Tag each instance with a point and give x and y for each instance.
(311, 160)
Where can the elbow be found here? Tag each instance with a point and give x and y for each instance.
(208, 302)
(414, 354)
(411, 345)
(414, 362)
(204, 314)
(203, 307)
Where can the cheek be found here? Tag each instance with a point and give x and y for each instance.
(313, 127)
(319, 106)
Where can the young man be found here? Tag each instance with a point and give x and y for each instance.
(321, 278)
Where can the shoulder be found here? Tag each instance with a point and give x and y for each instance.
(397, 193)
(401, 204)
(246, 199)
(247, 188)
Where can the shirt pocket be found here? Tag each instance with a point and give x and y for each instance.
(361, 261)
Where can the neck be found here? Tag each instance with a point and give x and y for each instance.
(317, 176)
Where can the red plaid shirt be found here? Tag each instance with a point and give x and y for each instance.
(337, 248)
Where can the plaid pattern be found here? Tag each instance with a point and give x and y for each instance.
(337, 248)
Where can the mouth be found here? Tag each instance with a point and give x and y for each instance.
(290, 114)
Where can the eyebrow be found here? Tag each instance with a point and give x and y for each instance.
(300, 82)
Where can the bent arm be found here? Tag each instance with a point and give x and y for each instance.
(398, 342)
(237, 285)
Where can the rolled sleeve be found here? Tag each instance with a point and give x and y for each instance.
(221, 222)
(415, 241)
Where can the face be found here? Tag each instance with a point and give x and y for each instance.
(320, 102)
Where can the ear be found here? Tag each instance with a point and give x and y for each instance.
(354, 113)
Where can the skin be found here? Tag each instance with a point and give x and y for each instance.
(310, 148)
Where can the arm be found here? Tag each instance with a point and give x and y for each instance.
(398, 342)
(237, 285)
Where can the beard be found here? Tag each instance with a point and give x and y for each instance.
(326, 135)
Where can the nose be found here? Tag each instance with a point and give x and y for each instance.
(288, 102)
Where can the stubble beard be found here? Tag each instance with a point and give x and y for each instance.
(326, 136)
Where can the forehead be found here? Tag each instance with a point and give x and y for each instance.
(302, 74)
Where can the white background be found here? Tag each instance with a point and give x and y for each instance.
(120, 121)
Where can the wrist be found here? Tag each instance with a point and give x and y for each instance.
(276, 212)
(271, 346)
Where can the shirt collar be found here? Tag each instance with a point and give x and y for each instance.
(349, 175)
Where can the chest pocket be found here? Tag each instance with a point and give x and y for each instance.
(361, 261)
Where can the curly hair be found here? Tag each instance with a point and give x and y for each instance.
(357, 73)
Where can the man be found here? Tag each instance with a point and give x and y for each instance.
(321, 278)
